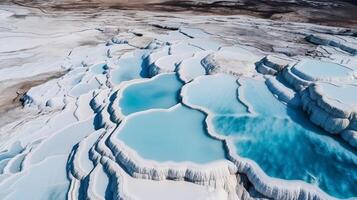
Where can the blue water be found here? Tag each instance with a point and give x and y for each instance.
(160, 92)
(286, 145)
(129, 67)
(216, 93)
(176, 135)
(259, 98)
(286, 150)
(278, 138)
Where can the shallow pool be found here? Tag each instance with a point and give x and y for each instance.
(129, 67)
(216, 93)
(256, 95)
(161, 91)
(177, 134)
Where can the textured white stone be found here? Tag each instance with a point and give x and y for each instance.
(272, 64)
(234, 60)
(283, 93)
(334, 41)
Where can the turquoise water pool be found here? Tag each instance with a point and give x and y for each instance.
(259, 99)
(278, 138)
(177, 134)
(285, 149)
(286, 145)
(216, 93)
(129, 67)
(159, 92)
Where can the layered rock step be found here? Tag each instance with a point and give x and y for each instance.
(333, 107)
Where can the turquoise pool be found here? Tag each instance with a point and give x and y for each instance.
(177, 135)
(284, 149)
(128, 67)
(278, 138)
(217, 93)
(159, 92)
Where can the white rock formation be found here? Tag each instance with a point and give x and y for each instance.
(231, 60)
(347, 44)
(272, 64)
(71, 131)
(333, 107)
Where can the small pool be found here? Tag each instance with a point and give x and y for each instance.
(161, 91)
(258, 97)
(310, 70)
(177, 134)
(129, 67)
(217, 93)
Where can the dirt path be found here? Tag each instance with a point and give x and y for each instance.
(11, 92)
